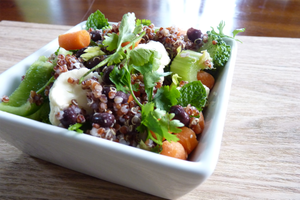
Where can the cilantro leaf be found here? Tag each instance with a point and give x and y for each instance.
(193, 93)
(150, 77)
(147, 62)
(127, 33)
(139, 57)
(145, 22)
(111, 41)
(116, 58)
(236, 31)
(166, 97)
(172, 125)
(160, 123)
(221, 26)
(96, 21)
(121, 78)
(126, 29)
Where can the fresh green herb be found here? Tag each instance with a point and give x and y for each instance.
(111, 41)
(221, 26)
(166, 97)
(96, 21)
(161, 125)
(193, 93)
(145, 22)
(121, 78)
(147, 63)
(76, 127)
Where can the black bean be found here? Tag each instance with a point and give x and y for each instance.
(104, 119)
(193, 34)
(69, 117)
(123, 95)
(106, 72)
(80, 52)
(107, 89)
(93, 62)
(95, 35)
(180, 114)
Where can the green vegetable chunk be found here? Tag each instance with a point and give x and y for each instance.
(193, 93)
(216, 46)
(36, 77)
(187, 63)
(217, 49)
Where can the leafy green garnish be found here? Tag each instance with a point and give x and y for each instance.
(145, 22)
(96, 21)
(147, 63)
(111, 41)
(76, 127)
(166, 97)
(139, 57)
(121, 78)
(221, 26)
(127, 32)
(161, 125)
(193, 93)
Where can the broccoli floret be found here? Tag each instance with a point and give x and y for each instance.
(215, 45)
(218, 50)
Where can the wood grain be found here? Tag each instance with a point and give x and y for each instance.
(259, 156)
(273, 18)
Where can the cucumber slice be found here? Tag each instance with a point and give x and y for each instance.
(36, 77)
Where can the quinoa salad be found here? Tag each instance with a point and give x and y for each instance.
(128, 82)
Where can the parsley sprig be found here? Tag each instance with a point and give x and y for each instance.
(221, 26)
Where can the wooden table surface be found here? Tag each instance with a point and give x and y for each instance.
(259, 157)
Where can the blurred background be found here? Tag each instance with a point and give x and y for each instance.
(278, 18)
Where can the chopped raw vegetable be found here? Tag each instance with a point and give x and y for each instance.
(74, 40)
(188, 63)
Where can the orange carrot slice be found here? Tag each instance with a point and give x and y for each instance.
(74, 40)
(206, 79)
(187, 138)
(198, 128)
(125, 43)
(130, 98)
(135, 44)
(173, 149)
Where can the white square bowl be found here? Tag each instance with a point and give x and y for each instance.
(128, 166)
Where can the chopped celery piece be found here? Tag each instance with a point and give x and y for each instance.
(188, 63)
